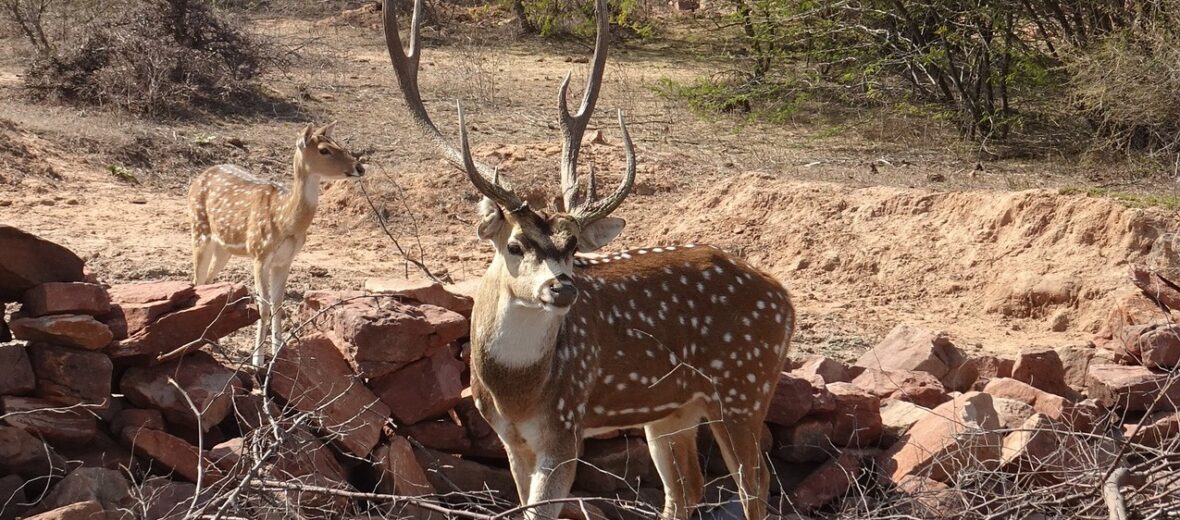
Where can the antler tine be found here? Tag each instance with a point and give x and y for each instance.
(596, 209)
(574, 126)
(405, 66)
(492, 190)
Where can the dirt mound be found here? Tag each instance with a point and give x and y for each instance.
(23, 161)
(1032, 260)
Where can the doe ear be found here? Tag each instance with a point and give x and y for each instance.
(305, 139)
(491, 219)
(326, 131)
(599, 233)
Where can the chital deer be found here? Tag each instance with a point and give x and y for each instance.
(237, 214)
(567, 346)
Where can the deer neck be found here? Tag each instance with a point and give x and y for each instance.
(510, 340)
(299, 207)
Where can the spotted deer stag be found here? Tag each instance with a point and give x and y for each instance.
(565, 346)
(237, 214)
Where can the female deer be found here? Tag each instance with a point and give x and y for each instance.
(237, 214)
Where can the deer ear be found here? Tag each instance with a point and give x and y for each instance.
(599, 233)
(491, 219)
(305, 139)
(326, 131)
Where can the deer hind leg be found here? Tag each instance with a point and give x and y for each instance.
(262, 296)
(673, 445)
(203, 249)
(278, 287)
(221, 257)
(738, 435)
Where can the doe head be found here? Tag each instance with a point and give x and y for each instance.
(321, 155)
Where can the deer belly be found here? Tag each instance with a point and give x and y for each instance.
(638, 410)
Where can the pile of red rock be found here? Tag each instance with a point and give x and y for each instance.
(91, 376)
(110, 404)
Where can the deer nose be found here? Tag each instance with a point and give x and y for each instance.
(561, 291)
(360, 169)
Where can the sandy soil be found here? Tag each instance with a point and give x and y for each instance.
(861, 248)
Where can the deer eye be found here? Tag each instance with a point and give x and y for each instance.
(515, 249)
(325, 151)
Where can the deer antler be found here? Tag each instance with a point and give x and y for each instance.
(595, 209)
(573, 126)
(405, 66)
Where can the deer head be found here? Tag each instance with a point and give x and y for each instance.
(534, 249)
(319, 154)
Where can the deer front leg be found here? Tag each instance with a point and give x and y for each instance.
(552, 475)
(262, 296)
(522, 461)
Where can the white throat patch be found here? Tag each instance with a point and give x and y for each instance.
(524, 334)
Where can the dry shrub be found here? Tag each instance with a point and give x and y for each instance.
(1128, 87)
(157, 57)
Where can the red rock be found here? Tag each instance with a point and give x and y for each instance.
(425, 389)
(138, 418)
(448, 473)
(1042, 368)
(135, 306)
(170, 454)
(1157, 431)
(217, 310)
(857, 419)
(975, 373)
(897, 417)
(1032, 448)
(1075, 360)
(399, 470)
(208, 384)
(101, 452)
(927, 498)
(424, 291)
(166, 499)
(91, 510)
(49, 420)
(253, 410)
(442, 435)
(12, 497)
(71, 376)
(919, 388)
(5, 332)
(1011, 413)
(830, 370)
(311, 375)
(106, 486)
(830, 481)
(609, 465)
(909, 347)
(1156, 346)
(1131, 308)
(304, 459)
(1151, 286)
(791, 400)
(25, 455)
(379, 335)
(71, 330)
(1132, 388)
(16, 372)
(472, 420)
(29, 261)
(936, 446)
(1054, 406)
(65, 298)
(809, 440)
